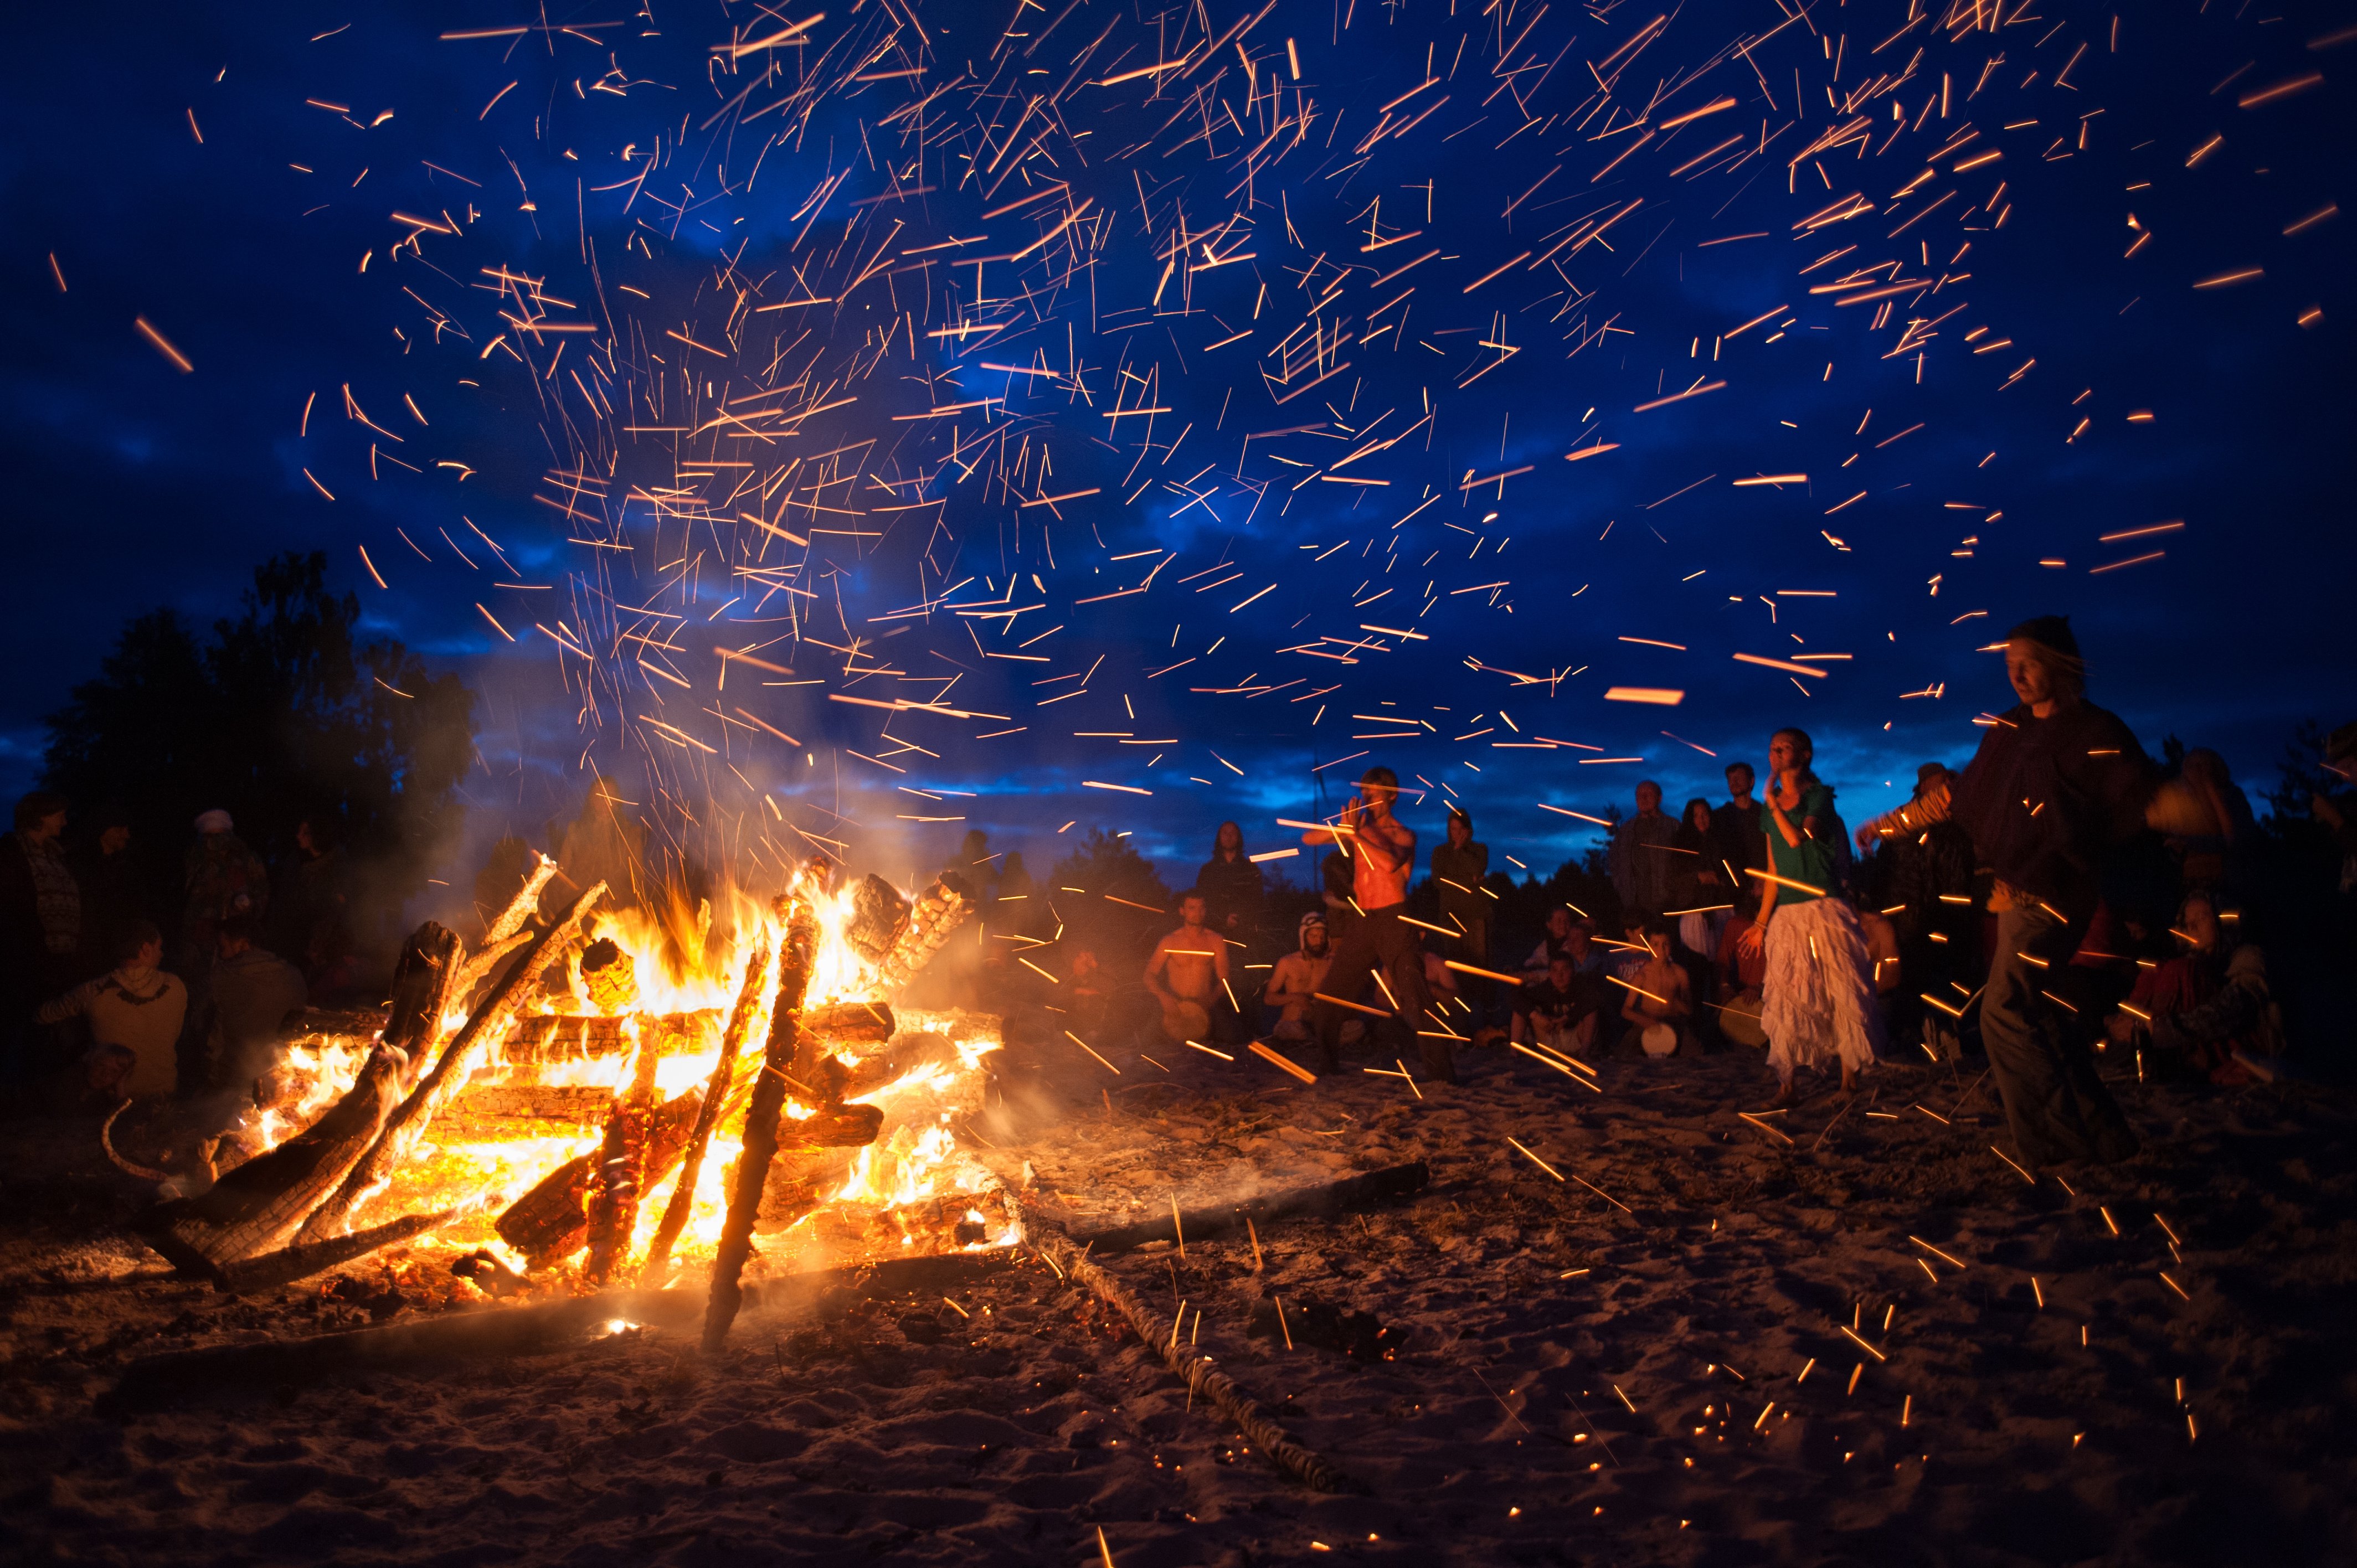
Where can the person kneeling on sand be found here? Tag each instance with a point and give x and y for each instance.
(1560, 1011)
(1298, 976)
(1659, 1003)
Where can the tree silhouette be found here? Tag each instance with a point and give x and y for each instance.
(279, 718)
(1112, 879)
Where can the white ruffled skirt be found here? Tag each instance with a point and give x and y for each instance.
(1817, 1002)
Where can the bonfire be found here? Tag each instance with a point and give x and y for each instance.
(587, 1099)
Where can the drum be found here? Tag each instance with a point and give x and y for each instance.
(1740, 1020)
(1660, 1040)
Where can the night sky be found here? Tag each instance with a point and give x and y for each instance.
(1983, 389)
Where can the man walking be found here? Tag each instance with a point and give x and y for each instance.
(2057, 786)
(1382, 855)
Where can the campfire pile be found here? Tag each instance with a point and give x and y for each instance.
(538, 1096)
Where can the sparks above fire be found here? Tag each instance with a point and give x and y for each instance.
(598, 1096)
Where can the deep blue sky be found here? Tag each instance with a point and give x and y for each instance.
(133, 484)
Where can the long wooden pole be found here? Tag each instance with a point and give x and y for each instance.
(761, 1117)
(757, 981)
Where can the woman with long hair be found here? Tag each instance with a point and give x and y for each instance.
(1817, 1002)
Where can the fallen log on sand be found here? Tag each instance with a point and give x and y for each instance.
(1332, 1198)
(269, 1364)
(1201, 1377)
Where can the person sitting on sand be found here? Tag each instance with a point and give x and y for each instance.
(2208, 1006)
(135, 1011)
(1188, 973)
(1659, 1003)
(1560, 1011)
(1298, 976)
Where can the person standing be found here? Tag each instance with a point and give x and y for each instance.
(2057, 788)
(1383, 857)
(1735, 825)
(1926, 882)
(111, 898)
(1458, 867)
(1231, 886)
(1817, 999)
(40, 926)
(1641, 859)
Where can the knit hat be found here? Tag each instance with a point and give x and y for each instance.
(213, 822)
(1301, 934)
(2050, 632)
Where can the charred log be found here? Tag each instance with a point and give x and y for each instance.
(551, 1222)
(940, 910)
(262, 1203)
(769, 1101)
(1350, 1194)
(250, 1276)
(848, 1023)
(621, 1174)
(421, 982)
(879, 915)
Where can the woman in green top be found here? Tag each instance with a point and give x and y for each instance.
(1817, 1003)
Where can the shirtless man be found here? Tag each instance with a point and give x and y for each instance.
(1298, 976)
(1383, 855)
(1188, 971)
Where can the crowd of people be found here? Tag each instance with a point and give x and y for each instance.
(96, 1000)
(2060, 902)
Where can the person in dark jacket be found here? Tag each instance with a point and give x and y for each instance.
(112, 897)
(1231, 886)
(1458, 867)
(1643, 872)
(1735, 824)
(40, 925)
(2057, 788)
(1923, 881)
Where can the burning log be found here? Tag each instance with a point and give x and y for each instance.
(424, 981)
(264, 1201)
(757, 981)
(879, 915)
(544, 1039)
(619, 1178)
(507, 932)
(1331, 1197)
(250, 1276)
(761, 1126)
(940, 909)
(611, 976)
(848, 1022)
(458, 1063)
(551, 1222)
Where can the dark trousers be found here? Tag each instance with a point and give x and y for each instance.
(1382, 941)
(2055, 1106)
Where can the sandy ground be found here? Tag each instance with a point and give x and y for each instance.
(1649, 1369)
